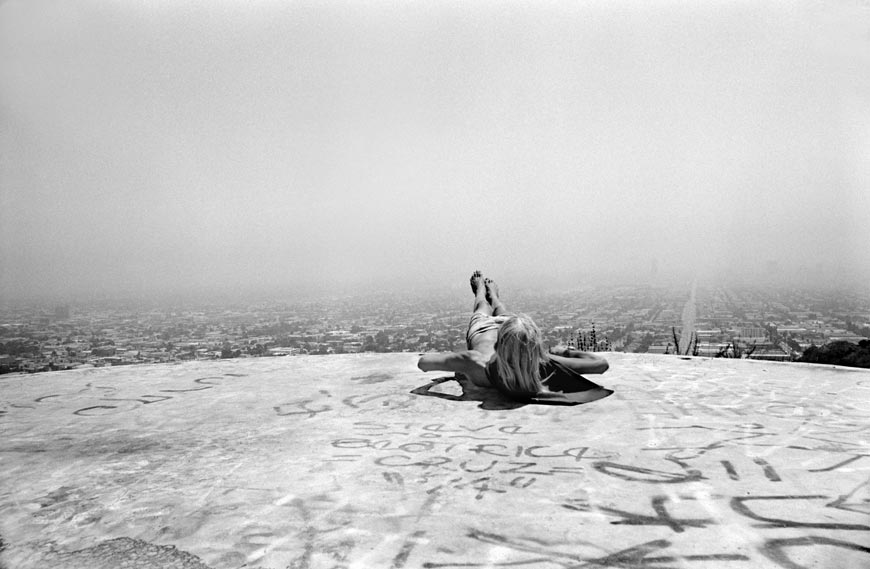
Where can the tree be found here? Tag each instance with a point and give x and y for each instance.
(369, 344)
(257, 350)
(382, 341)
(839, 353)
(227, 351)
(645, 343)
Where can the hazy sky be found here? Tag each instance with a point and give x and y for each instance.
(161, 146)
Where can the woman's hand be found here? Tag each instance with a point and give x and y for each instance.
(560, 350)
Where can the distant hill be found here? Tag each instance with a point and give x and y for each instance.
(839, 353)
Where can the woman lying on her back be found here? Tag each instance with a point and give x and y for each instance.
(505, 351)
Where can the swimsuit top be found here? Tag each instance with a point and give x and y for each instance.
(563, 385)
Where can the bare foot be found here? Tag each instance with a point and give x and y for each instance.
(491, 291)
(476, 280)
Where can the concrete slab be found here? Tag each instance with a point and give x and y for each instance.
(364, 461)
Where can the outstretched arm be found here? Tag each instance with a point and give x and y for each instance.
(579, 361)
(449, 361)
(469, 363)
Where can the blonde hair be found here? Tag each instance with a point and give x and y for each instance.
(520, 353)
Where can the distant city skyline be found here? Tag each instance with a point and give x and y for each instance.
(763, 322)
(232, 148)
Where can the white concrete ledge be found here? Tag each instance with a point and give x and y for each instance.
(364, 461)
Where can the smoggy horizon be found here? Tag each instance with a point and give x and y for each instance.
(230, 149)
(428, 293)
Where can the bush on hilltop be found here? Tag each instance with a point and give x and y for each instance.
(841, 353)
